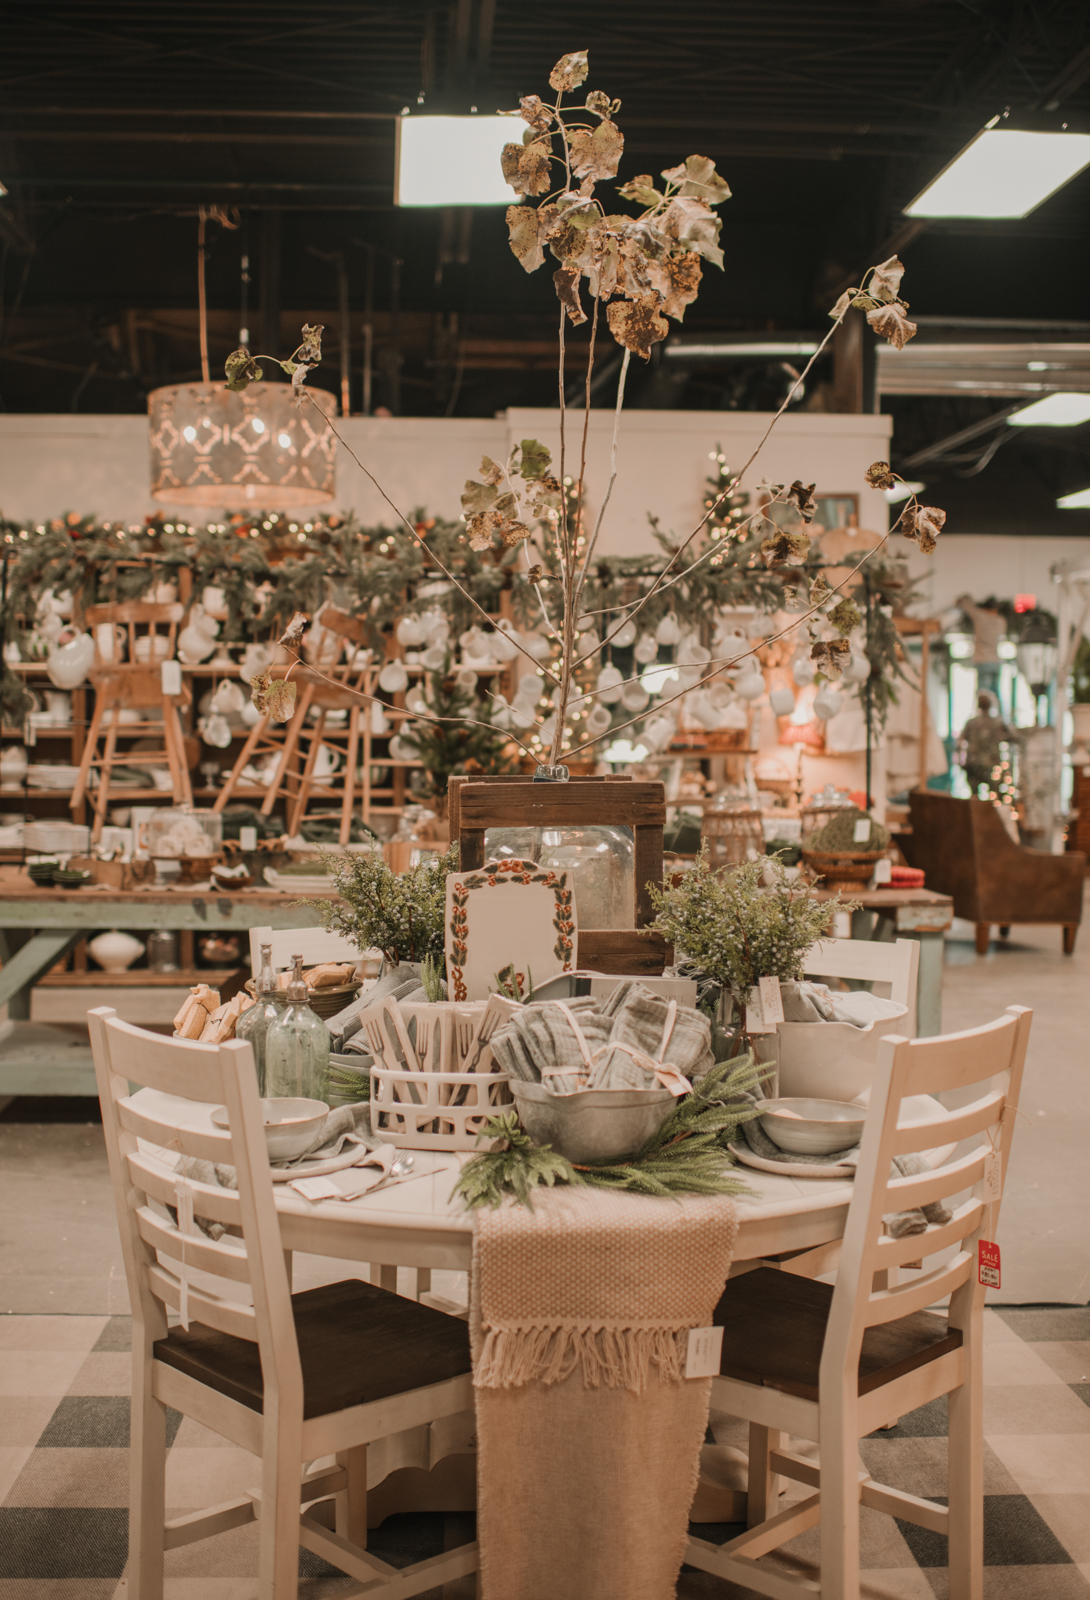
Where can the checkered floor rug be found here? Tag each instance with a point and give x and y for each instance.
(64, 1423)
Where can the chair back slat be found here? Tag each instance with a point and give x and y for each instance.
(207, 1255)
(956, 1060)
(215, 1146)
(198, 1078)
(226, 1316)
(151, 1175)
(948, 1127)
(992, 1057)
(180, 1067)
(313, 944)
(937, 1236)
(906, 1194)
(886, 1305)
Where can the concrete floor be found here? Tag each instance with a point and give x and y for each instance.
(58, 1234)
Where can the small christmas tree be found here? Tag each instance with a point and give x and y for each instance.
(455, 745)
(731, 509)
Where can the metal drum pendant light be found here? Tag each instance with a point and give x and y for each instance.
(254, 450)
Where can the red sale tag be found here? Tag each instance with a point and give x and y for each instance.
(988, 1263)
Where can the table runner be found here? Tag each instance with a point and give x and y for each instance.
(588, 1433)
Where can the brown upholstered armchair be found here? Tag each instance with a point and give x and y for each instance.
(965, 851)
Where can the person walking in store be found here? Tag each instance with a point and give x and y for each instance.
(979, 743)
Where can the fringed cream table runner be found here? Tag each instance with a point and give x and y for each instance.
(589, 1434)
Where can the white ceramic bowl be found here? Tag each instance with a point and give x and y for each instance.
(812, 1127)
(290, 1125)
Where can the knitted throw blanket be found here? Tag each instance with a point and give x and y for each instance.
(588, 1433)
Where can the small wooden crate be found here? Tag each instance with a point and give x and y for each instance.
(516, 801)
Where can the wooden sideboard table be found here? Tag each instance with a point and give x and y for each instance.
(39, 926)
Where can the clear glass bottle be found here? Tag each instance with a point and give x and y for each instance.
(253, 1025)
(297, 1047)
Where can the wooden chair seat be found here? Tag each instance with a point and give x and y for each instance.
(357, 1344)
(774, 1332)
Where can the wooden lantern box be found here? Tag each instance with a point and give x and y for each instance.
(518, 802)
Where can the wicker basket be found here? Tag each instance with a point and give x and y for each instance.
(842, 869)
(327, 1002)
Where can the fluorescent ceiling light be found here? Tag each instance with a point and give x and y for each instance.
(765, 348)
(1054, 411)
(901, 491)
(1079, 501)
(452, 161)
(1003, 172)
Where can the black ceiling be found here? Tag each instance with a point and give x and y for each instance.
(118, 121)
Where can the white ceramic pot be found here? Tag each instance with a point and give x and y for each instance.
(831, 1060)
(13, 765)
(69, 664)
(114, 951)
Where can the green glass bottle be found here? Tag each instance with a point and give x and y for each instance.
(297, 1047)
(253, 1025)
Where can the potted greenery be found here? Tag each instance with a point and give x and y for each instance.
(399, 913)
(737, 932)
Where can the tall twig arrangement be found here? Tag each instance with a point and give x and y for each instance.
(643, 266)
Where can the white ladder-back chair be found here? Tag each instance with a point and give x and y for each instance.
(313, 944)
(291, 1378)
(832, 1364)
(892, 968)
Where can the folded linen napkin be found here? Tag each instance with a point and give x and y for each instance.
(345, 1125)
(816, 1002)
(633, 1039)
(400, 981)
(546, 1035)
(898, 1223)
(654, 1028)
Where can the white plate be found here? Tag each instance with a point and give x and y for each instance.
(299, 882)
(315, 1169)
(788, 1169)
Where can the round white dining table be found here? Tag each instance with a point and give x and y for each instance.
(419, 1222)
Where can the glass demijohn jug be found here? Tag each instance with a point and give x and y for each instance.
(297, 1047)
(253, 1025)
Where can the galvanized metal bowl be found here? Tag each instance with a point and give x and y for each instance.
(594, 1124)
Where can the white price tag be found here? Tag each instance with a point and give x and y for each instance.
(993, 1177)
(883, 871)
(771, 1000)
(170, 673)
(247, 838)
(704, 1352)
(862, 831)
(755, 1015)
(183, 1195)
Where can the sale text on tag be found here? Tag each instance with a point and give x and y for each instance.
(988, 1263)
(704, 1352)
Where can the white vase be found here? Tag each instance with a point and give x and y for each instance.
(114, 951)
(69, 664)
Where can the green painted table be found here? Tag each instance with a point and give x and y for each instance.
(37, 1058)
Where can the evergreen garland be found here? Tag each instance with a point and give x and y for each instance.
(688, 1154)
